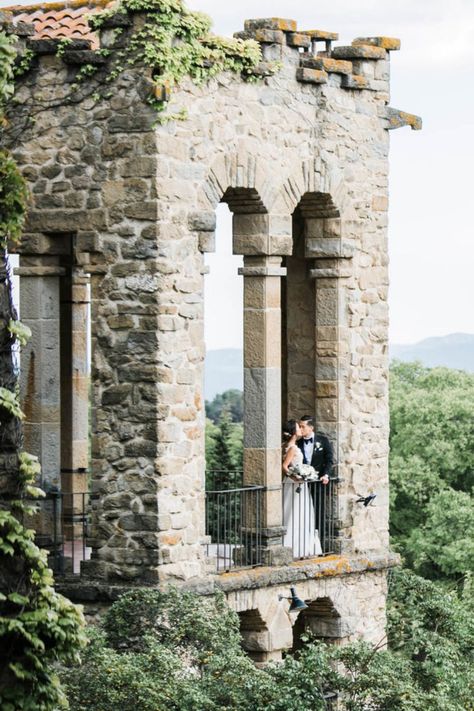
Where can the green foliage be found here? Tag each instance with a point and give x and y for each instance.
(434, 631)
(23, 63)
(183, 621)
(432, 468)
(230, 402)
(13, 194)
(224, 453)
(13, 200)
(445, 540)
(174, 43)
(10, 402)
(7, 56)
(180, 652)
(164, 650)
(37, 626)
(19, 331)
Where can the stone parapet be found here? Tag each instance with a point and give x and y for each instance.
(88, 591)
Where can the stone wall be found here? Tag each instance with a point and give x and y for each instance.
(301, 158)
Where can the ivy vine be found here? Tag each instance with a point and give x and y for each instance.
(173, 43)
(38, 627)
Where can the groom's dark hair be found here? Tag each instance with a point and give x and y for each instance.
(308, 419)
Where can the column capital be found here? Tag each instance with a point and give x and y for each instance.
(262, 266)
(39, 271)
(262, 271)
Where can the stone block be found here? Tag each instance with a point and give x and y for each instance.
(270, 23)
(311, 76)
(142, 210)
(202, 221)
(359, 52)
(380, 203)
(295, 39)
(116, 394)
(65, 220)
(326, 389)
(139, 167)
(321, 35)
(261, 342)
(262, 293)
(327, 64)
(389, 43)
(85, 56)
(326, 368)
(207, 242)
(262, 411)
(354, 81)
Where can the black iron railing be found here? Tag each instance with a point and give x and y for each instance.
(234, 519)
(61, 524)
(309, 515)
(234, 524)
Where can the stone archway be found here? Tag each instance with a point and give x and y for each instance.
(322, 620)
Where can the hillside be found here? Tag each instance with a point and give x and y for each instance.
(456, 350)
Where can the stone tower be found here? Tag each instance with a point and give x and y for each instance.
(122, 212)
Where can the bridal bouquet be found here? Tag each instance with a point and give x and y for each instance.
(304, 471)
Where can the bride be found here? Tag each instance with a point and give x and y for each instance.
(298, 511)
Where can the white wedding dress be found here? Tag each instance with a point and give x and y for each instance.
(298, 515)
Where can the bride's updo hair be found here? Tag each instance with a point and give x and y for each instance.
(289, 429)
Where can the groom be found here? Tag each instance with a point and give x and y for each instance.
(318, 451)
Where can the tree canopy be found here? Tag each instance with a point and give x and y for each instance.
(432, 469)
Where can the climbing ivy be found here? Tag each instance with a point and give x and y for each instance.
(38, 627)
(174, 43)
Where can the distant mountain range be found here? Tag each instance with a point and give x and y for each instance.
(456, 350)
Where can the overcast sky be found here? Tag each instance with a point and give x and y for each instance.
(431, 183)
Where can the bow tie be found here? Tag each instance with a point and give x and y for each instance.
(308, 441)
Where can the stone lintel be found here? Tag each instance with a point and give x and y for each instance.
(359, 52)
(391, 44)
(40, 271)
(397, 119)
(321, 35)
(270, 23)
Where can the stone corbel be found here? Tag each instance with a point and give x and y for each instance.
(394, 118)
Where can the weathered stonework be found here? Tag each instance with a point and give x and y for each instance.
(301, 158)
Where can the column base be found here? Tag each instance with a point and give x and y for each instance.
(273, 552)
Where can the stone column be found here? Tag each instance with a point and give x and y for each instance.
(332, 267)
(262, 393)
(75, 301)
(40, 367)
(323, 243)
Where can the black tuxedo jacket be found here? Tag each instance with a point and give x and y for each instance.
(323, 454)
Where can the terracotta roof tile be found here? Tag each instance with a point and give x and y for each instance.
(59, 20)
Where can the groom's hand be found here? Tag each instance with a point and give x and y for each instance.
(325, 479)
